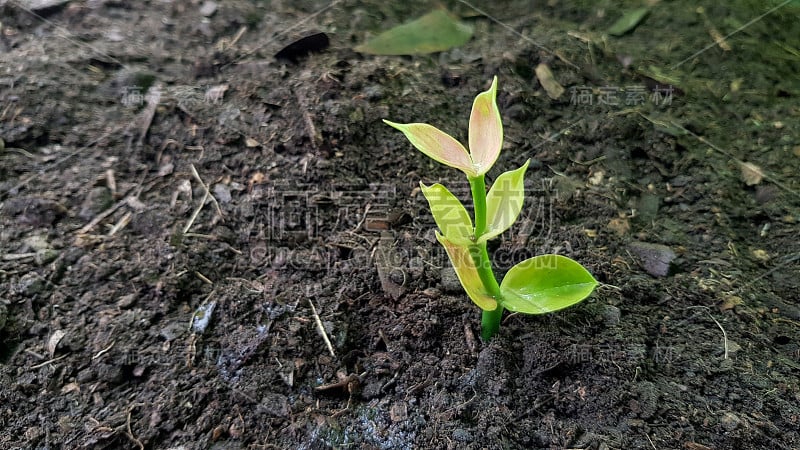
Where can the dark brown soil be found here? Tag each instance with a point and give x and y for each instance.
(168, 260)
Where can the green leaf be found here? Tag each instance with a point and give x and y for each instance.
(504, 202)
(544, 284)
(449, 213)
(434, 32)
(467, 274)
(628, 21)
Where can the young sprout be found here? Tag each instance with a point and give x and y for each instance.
(538, 285)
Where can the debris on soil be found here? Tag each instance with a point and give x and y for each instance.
(654, 258)
(628, 22)
(549, 83)
(108, 336)
(434, 32)
(313, 43)
(751, 173)
(202, 317)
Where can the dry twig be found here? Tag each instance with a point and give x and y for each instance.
(321, 328)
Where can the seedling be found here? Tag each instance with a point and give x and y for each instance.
(538, 285)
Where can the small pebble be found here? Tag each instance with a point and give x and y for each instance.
(208, 9)
(655, 258)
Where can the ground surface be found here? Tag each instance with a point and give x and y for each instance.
(109, 272)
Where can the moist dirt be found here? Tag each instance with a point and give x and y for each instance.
(182, 215)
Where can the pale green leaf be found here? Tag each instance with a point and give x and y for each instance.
(544, 284)
(434, 32)
(468, 274)
(449, 213)
(504, 202)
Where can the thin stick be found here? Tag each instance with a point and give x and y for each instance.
(724, 335)
(130, 432)
(205, 187)
(321, 329)
(99, 218)
(121, 224)
(18, 256)
(203, 277)
(153, 97)
(206, 195)
(196, 212)
(104, 351)
(86, 228)
(49, 361)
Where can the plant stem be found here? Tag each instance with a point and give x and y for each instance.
(478, 187)
(490, 320)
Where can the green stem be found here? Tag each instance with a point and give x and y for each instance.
(478, 187)
(490, 320)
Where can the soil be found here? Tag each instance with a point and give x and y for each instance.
(182, 214)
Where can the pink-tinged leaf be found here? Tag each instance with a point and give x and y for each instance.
(485, 130)
(437, 144)
(468, 274)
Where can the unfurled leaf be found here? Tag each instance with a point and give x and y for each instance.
(485, 137)
(504, 202)
(434, 32)
(437, 144)
(628, 21)
(467, 274)
(449, 214)
(544, 284)
(485, 130)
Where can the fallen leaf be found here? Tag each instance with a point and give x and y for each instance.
(256, 178)
(760, 255)
(751, 173)
(434, 32)
(628, 21)
(52, 342)
(620, 226)
(596, 179)
(548, 81)
(730, 302)
(70, 387)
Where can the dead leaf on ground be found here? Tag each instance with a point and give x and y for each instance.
(434, 32)
(548, 81)
(751, 173)
(52, 342)
(628, 21)
(620, 226)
